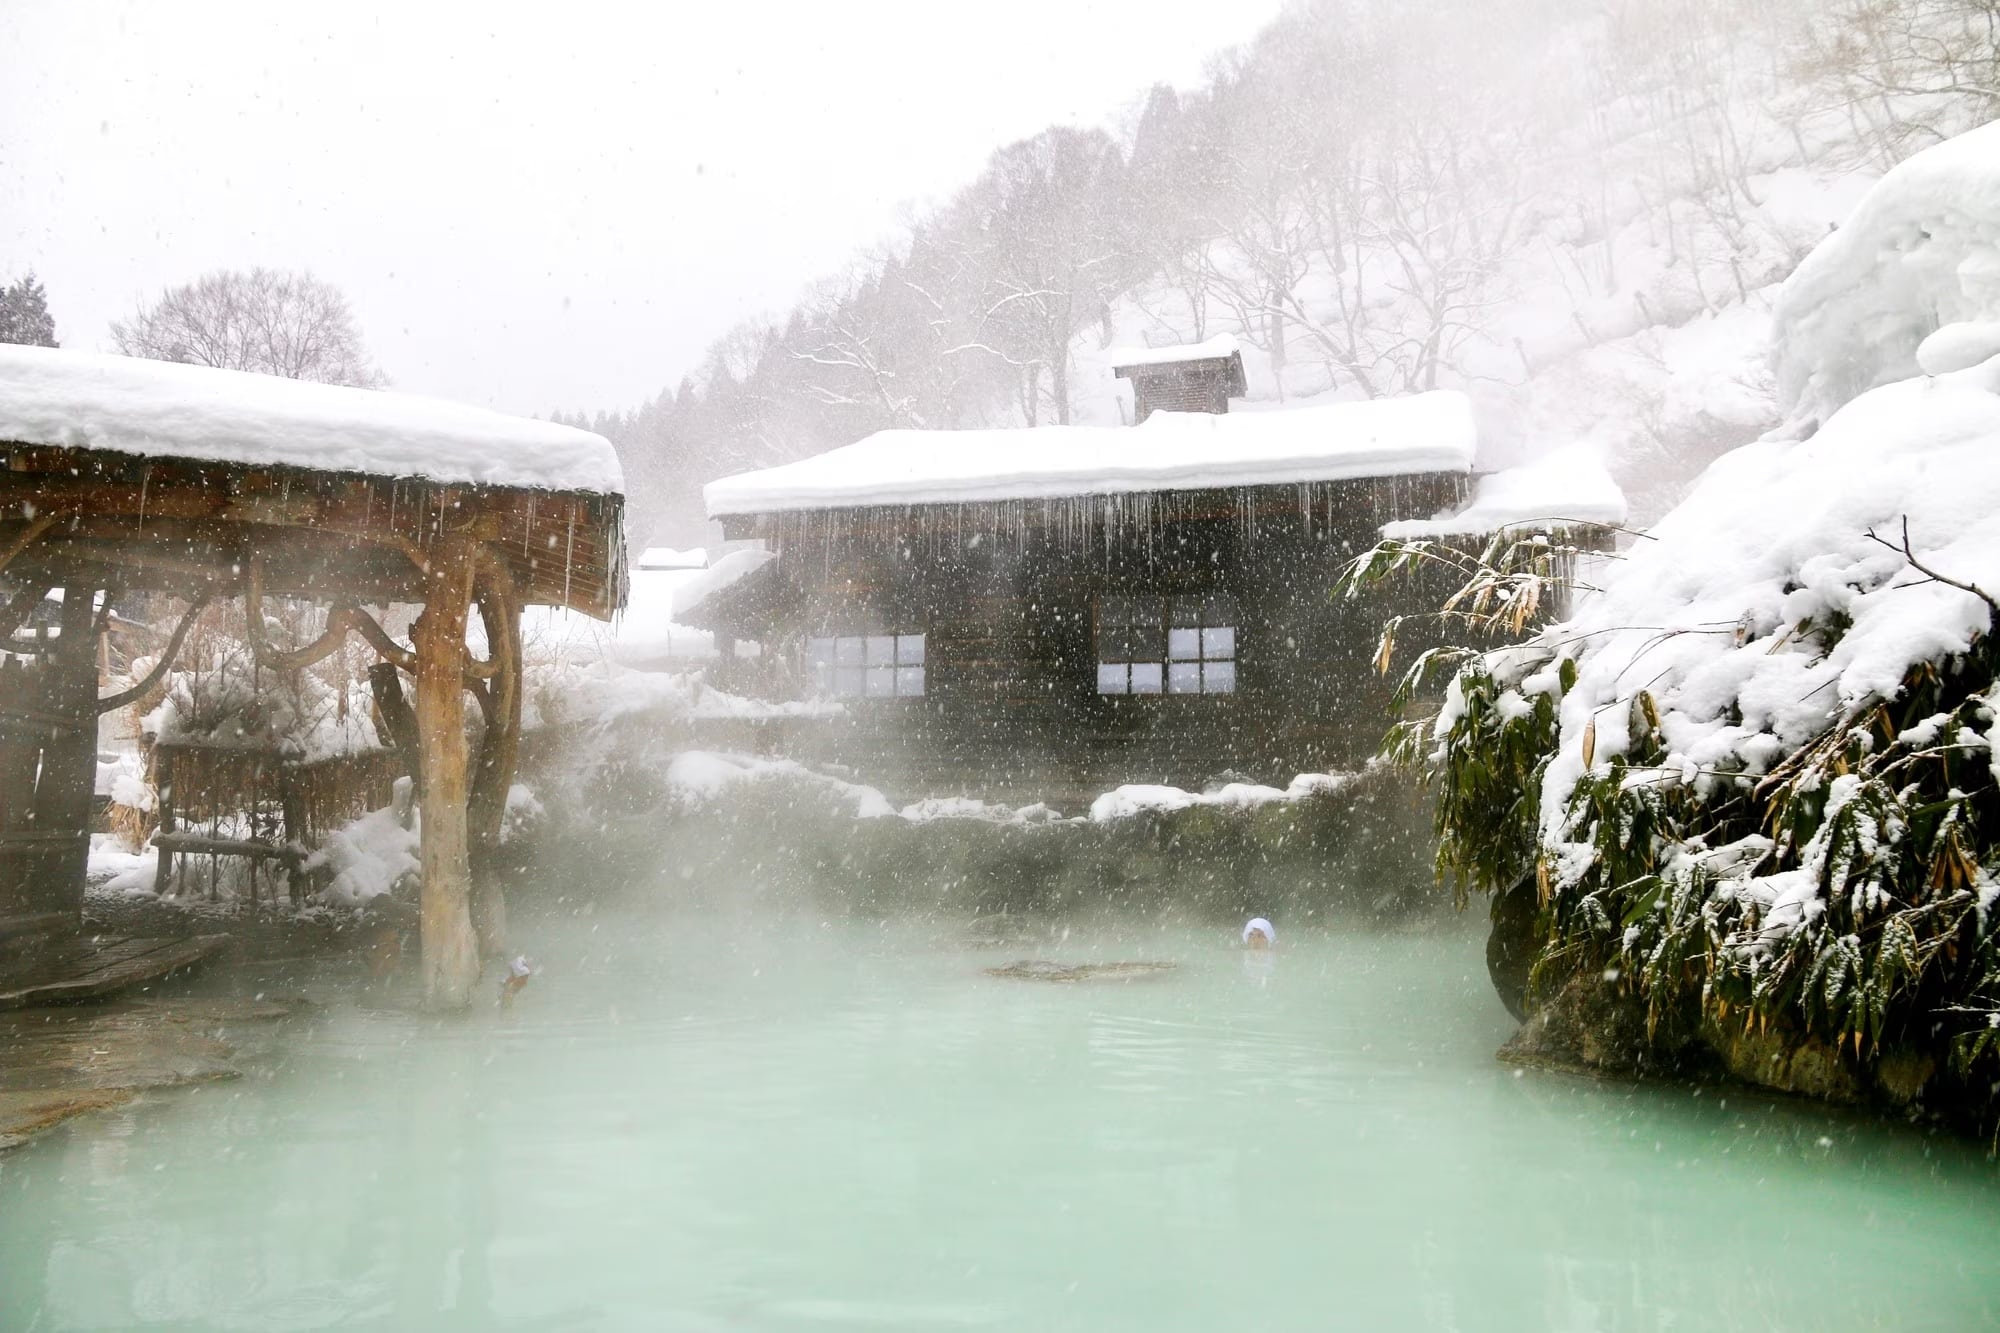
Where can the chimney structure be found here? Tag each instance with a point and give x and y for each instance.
(1196, 377)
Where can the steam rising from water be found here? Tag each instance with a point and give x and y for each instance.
(747, 1119)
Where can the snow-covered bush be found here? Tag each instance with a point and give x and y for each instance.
(220, 697)
(1756, 778)
(372, 855)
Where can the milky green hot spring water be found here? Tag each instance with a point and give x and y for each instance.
(697, 1123)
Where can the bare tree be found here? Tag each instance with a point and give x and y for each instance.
(1905, 72)
(1043, 207)
(267, 321)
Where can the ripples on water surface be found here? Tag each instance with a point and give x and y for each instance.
(700, 1124)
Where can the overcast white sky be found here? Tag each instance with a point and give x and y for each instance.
(535, 207)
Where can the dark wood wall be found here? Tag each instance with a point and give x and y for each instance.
(1201, 386)
(48, 764)
(1006, 596)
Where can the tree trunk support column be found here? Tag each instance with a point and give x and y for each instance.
(450, 953)
(499, 752)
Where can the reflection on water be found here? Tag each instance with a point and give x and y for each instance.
(697, 1124)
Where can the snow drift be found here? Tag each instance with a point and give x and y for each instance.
(1916, 268)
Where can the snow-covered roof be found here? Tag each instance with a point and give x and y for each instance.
(700, 585)
(652, 626)
(1221, 345)
(643, 632)
(1565, 486)
(666, 557)
(82, 400)
(1429, 432)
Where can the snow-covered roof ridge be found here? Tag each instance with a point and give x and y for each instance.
(667, 557)
(1564, 486)
(1920, 253)
(726, 569)
(1209, 349)
(84, 400)
(1379, 437)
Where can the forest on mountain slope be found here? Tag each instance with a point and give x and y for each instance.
(1375, 199)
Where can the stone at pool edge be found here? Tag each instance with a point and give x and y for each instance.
(60, 1062)
(1035, 969)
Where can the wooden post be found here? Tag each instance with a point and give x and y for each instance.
(450, 953)
(69, 760)
(499, 750)
(163, 783)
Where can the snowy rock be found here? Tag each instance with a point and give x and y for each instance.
(701, 777)
(1921, 252)
(1959, 346)
(1136, 798)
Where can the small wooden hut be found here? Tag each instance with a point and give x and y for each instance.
(124, 475)
(1196, 377)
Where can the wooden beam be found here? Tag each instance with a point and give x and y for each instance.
(25, 538)
(450, 949)
(113, 702)
(251, 847)
(378, 638)
(20, 606)
(565, 547)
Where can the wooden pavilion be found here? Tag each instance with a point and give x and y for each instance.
(123, 476)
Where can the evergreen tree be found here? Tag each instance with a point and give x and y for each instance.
(24, 314)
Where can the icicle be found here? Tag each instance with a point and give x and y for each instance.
(569, 550)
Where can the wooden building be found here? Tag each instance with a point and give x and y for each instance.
(126, 476)
(1043, 613)
(1199, 377)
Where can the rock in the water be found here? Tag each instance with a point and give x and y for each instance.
(1001, 929)
(1035, 969)
(60, 1062)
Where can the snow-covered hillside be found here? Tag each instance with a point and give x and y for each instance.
(1640, 333)
(1579, 217)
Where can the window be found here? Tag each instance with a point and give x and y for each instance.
(868, 666)
(1171, 645)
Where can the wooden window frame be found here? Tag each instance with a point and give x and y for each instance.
(1216, 618)
(904, 661)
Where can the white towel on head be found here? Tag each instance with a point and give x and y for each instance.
(1258, 923)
